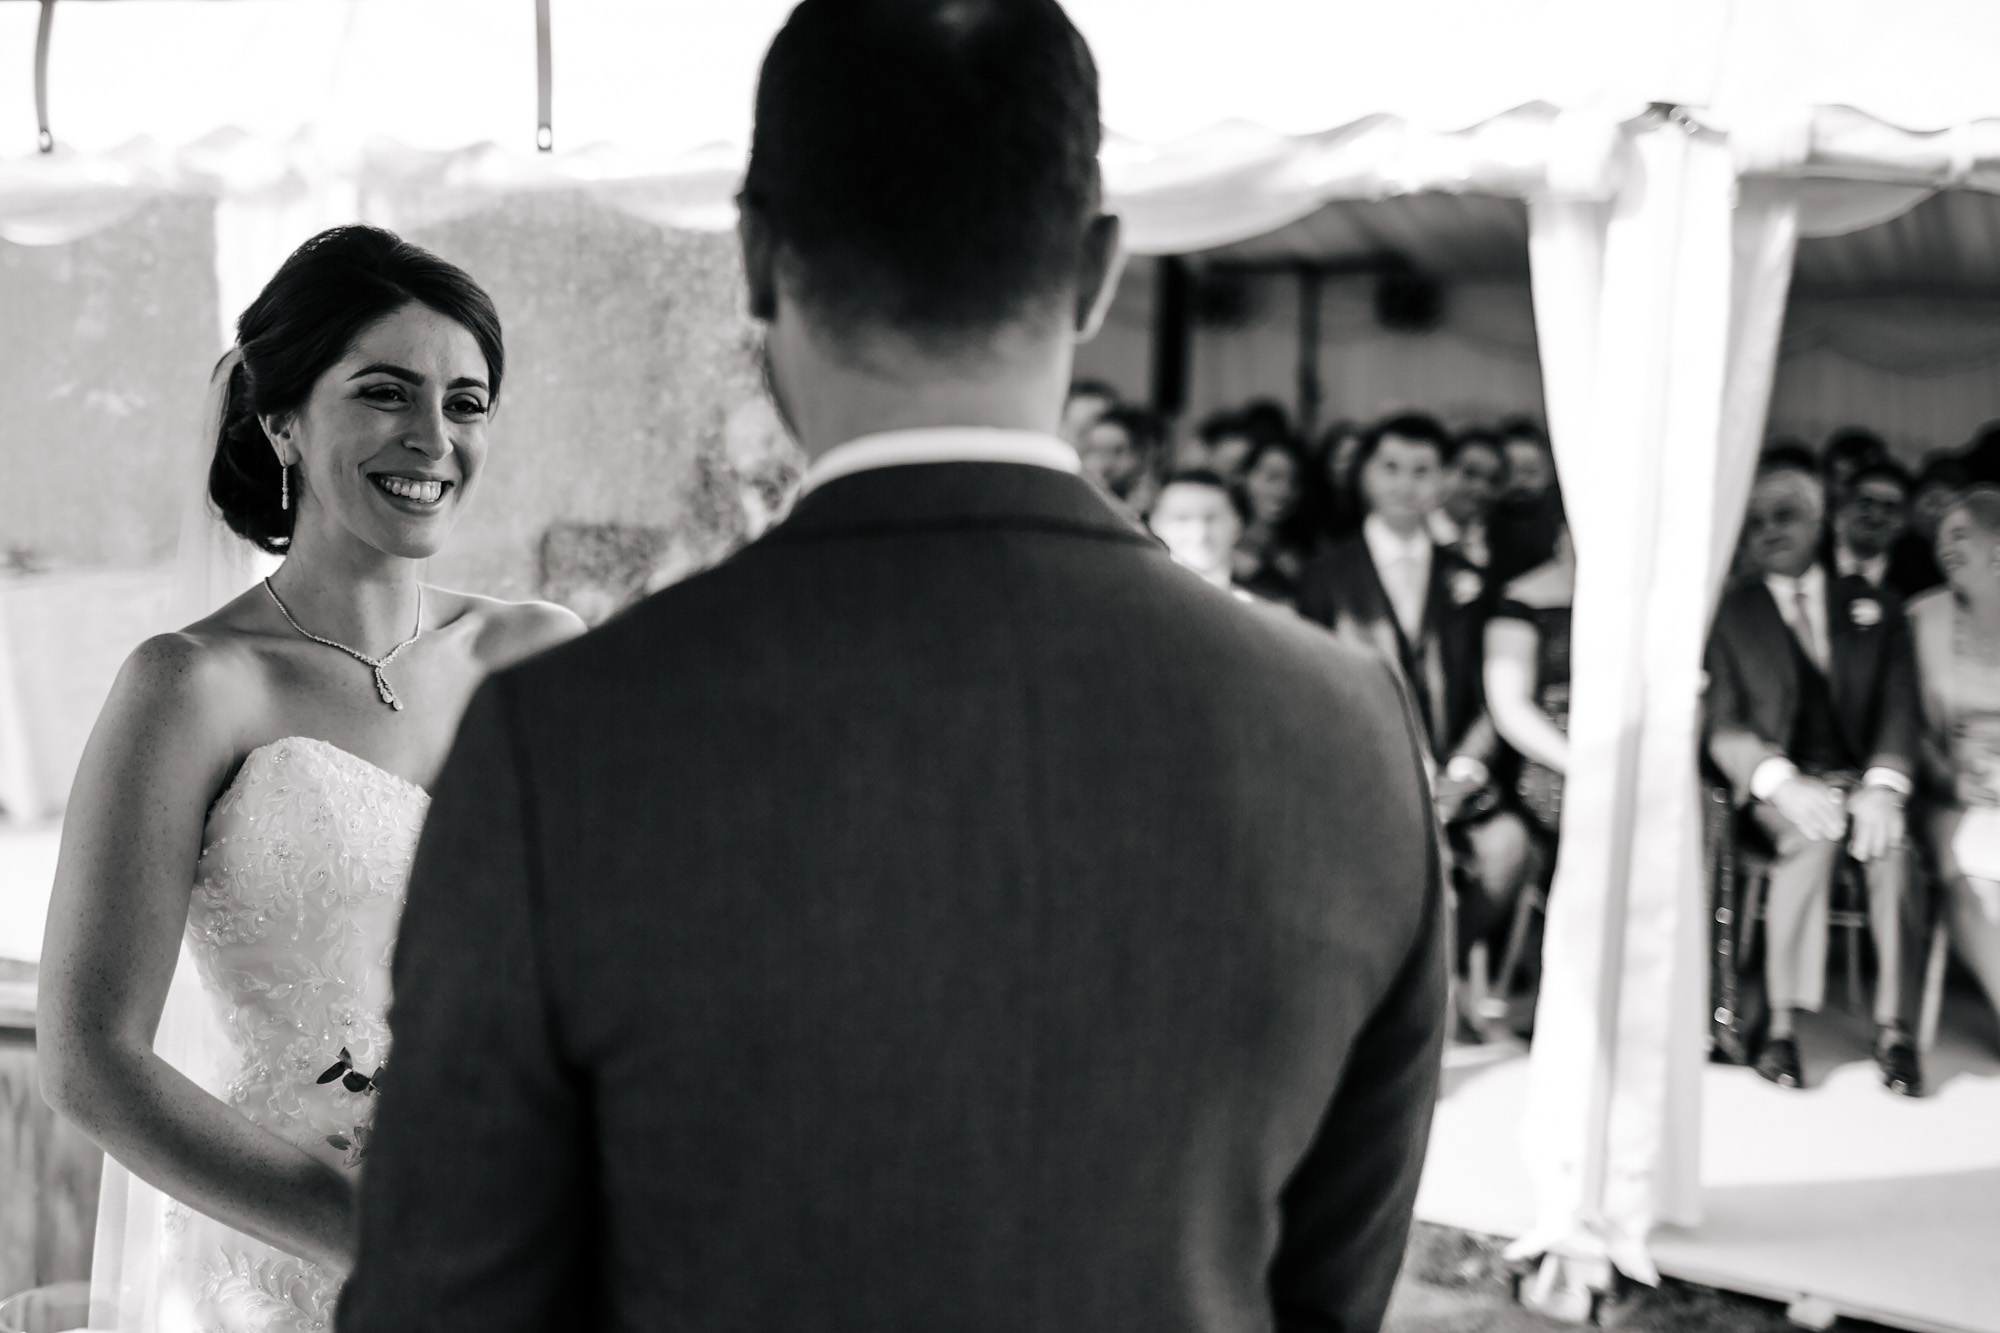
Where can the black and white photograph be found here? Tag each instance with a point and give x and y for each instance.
(999, 666)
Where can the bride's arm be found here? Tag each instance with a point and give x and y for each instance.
(1510, 693)
(159, 753)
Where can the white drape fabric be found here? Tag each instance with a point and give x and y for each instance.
(1659, 312)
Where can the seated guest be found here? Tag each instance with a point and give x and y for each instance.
(1223, 442)
(1913, 566)
(1527, 681)
(1088, 400)
(1269, 556)
(1847, 451)
(1982, 456)
(1199, 518)
(1393, 589)
(1474, 475)
(1869, 514)
(1522, 525)
(1813, 718)
(1330, 510)
(1957, 633)
(1118, 452)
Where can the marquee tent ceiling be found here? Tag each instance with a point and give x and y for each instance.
(666, 76)
(1948, 245)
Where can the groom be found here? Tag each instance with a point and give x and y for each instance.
(946, 914)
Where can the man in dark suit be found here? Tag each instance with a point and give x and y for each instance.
(1423, 607)
(947, 913)
(1813, 718)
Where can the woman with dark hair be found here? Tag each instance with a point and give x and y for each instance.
(1329, 508)
(253, 792)
(1270, 555)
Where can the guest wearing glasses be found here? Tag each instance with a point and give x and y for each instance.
(1813, 718)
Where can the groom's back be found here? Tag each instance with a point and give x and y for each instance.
(967, 920)
(947, 914)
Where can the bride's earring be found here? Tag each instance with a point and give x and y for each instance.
(284, 486)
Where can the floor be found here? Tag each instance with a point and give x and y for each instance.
(1886, 1207)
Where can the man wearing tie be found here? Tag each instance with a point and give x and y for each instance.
(1813, 718)
(1393, 589)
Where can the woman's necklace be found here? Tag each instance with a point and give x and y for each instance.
(381, 681)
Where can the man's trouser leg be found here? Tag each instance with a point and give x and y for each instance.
(1795, 912)
(1899, 919)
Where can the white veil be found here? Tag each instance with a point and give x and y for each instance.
(212, 565)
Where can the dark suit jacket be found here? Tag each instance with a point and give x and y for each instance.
(945, 914)
(1342, 591)
(1753, 680)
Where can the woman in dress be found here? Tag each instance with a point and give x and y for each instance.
(1269, 558)
(1527, 681)
(256, 785)
(1957, 634)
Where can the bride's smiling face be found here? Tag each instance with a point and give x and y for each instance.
(391, 441)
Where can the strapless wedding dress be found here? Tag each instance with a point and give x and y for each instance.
(304, 864)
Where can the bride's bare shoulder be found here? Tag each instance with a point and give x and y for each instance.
(504, 633)
(209, 677)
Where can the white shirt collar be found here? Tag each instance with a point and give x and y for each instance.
(942, 444)
(1784, 587)
(1848, 564)
(1387, 546)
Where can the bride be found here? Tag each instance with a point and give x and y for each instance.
(256, 784)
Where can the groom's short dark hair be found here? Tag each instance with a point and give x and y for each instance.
(926, 165)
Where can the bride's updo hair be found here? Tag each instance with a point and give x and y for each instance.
(333, 288)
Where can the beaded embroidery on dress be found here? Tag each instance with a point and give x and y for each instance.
(297, 895)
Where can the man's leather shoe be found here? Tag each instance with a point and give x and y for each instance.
(1779, 1062)
(1896, 1057)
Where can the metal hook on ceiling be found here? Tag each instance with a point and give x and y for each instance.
(44, 140)
(545, 135)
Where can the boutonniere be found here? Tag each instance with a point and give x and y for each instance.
(1466, 585)
(1866, 612)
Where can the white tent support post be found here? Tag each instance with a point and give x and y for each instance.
(1658, 316)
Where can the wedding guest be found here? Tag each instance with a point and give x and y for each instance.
(1265, 420)
(1118, 451)
(1199, 518)
(1913, 564)
(1813, 718)
(1957, 634)
(1475, 475)
(1088, 400)
(1869, 514)
(1982, 456)
(1846, 452)
(1527, 681)
(945, 913)
(1330, 512)
(1522, 524)
(1270, 555)
(1788, 451)
(1392, 588)
(1225, 441)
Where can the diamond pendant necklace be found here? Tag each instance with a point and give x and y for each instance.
(376, 663)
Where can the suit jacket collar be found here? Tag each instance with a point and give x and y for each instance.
(940, 444)
(919, 497)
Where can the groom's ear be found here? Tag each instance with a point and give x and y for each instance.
(760, 258)
(1100, 262)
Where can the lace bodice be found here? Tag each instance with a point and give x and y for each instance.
(304, 864)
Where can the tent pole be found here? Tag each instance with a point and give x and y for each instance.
(1172, 294)
(44, 140)
(545, 135)
(1308, 368)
